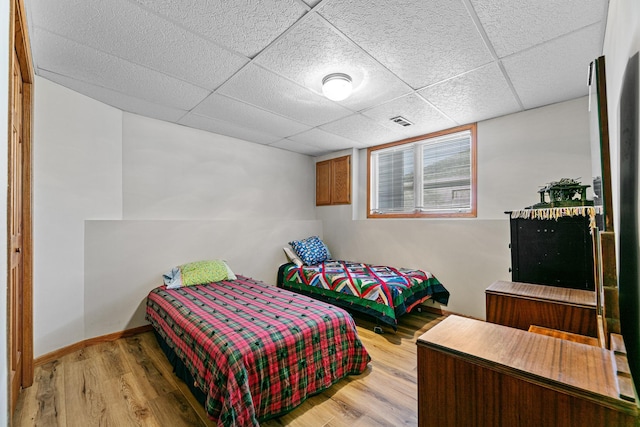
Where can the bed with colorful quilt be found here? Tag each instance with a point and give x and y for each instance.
(386, 293)
(250, 351)
(383, 292)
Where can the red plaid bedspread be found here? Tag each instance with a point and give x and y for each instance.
(257, 351)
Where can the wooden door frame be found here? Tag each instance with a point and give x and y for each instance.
(19, 41)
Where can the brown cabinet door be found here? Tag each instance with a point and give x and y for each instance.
(323, 183)
(333, 181)
(341, 181)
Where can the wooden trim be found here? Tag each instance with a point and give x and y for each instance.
(57, 354)
(473, 213)
(23, 50)
(605, 153)
(443, 132)
(22, 44)
(442, 312)
(609, 264)
(429, 309)
(13, 386)
(27, 237)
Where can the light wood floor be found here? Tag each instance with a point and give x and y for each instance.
(129, 382)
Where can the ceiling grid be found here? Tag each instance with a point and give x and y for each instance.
(253, 70)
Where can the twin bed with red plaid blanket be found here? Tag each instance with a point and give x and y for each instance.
(254, 350)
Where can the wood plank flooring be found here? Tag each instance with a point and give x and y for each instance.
(129, 382)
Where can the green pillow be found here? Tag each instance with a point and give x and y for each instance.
(202, 272)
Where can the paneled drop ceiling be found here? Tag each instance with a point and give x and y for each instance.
(252, 69)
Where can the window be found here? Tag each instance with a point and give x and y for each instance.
(428, 176)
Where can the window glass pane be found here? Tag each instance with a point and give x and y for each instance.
(396, 180)
(447, 173)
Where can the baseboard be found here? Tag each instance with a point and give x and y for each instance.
(440, 312)
(431, 309)
(56, 354)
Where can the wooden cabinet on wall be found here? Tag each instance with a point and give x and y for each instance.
(333, 181)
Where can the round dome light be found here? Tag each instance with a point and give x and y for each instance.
(337, 86)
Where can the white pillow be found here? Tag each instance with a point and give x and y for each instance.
(292, 257)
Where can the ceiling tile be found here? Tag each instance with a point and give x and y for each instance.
(267, 90)
(514, 25)
(322, 139)
(225, 128)
(299, 147)
(424, 117)
(246, 26)
(62, 56)
(241, 114)
(477, 95)
(554, 71)
(362, 129)
(312, 3)
(129, 32)
(162, 58)
(118, 100)
(313, 49)
(423, 42)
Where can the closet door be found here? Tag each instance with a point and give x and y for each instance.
(19, 213)
(15, 234)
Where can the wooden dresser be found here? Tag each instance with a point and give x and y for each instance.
(554, 252)
(521, 305)
(474, 373)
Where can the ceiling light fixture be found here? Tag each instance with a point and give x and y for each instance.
(337, 86)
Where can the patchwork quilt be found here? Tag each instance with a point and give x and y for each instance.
(380, 291)
(255, 350)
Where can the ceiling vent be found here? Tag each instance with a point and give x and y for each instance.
(401, 121)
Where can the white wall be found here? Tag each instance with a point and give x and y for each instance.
(189, 195)
(517, 154)
(77, 176)
(466, 256)
(174, 172)
(125, 259)
(4, 130)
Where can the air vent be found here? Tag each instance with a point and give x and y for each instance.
(401, 121)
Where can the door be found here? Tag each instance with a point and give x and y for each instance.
(19, 209)
(15, 235)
